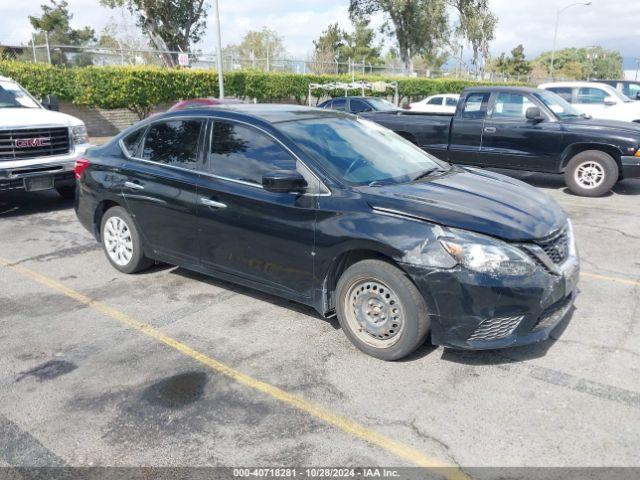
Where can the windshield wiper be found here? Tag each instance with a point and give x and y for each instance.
(427, 173)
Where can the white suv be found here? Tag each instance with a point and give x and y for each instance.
(38, 146)
(597, 100)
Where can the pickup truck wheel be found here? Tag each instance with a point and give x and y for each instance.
(121, 242)
(380, 310)
(68, 192)
(592, 173)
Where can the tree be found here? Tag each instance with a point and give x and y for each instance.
(258, 47)
(422, 26)
(172, 25)
(54, 23)
(336, 45)
(121, 34)
(582, 63)
(516, 65)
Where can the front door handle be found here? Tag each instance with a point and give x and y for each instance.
(212, 203)
(134, 186)
(489, 129)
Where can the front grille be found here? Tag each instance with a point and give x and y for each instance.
(557, 247)
(33, 142)
(496, 328)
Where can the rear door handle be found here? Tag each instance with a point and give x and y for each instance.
(212, 203)
(489, 129)
(134, 186)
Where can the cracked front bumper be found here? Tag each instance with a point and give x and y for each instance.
(478, 311)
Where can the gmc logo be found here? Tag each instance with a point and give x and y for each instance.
(33, 142)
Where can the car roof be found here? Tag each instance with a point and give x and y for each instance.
(493, 88)
(267, 112)
(574, 84)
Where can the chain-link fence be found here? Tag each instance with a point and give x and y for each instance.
(102, 55)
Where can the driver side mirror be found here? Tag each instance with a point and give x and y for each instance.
(534, 114)
(50, 102)
(610, 101)
(284, 181)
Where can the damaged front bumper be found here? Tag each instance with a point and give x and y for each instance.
(479, 311)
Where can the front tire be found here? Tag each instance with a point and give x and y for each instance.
(592, 173)
(121, 242)
(380, 310)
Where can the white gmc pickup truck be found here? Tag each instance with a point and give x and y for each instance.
(38, 146)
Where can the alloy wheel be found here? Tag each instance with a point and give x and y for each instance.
(117, 241)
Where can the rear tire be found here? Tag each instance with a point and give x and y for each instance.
(591, 173)
(121, 242)
(68, 192)
(380, 310)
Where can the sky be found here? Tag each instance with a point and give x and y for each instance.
(609, 23)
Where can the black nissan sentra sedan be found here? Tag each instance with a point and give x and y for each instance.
(340, 214)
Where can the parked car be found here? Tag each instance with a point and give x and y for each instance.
(526, 129)
(597, 99)
(38, 146)
(436, 104)
(338, 213)
(358, 105)
(203, 102)
(628, 88)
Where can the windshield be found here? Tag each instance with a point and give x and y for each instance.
(382, 105)
(360, 152)
(13, 96)
(557, 105)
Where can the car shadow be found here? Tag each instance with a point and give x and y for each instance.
(15, 204)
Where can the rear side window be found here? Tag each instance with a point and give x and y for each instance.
(564, 92)
(132, 141)
(452, 102)
(339, 104)
(475, 107)
(591, 95)
(358, 106)
(435, 101)
(173, 143)
(244, 153)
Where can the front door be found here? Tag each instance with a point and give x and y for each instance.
(466, 130)
(160, 187)
(263, 237)
(511, 141)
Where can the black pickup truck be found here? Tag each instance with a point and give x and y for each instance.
(525, 129)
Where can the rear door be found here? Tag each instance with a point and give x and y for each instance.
(466, 129)
(160, 187)
(246, 231)
(511, 141)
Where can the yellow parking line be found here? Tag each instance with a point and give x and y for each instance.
(597, 276)
(343, 423)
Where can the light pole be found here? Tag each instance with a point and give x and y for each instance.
(219, 48)
(555, 34)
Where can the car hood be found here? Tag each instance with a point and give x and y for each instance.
(476, 200)
(608, 125)
(34, 117)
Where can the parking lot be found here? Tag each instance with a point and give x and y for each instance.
(171, 368)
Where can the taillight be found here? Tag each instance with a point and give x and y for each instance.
(81, 166)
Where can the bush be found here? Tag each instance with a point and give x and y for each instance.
(140, 88)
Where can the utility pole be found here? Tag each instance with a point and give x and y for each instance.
(33, 45)
(219, 48)
(46, 40)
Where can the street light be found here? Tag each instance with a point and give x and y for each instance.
(555, 35)
(219, 47)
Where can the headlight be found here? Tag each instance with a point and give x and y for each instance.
(484, 254)
(79, 134)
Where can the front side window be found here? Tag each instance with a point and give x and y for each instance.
(360, 152)
(589, 95)
(173, 142)
(358, 106)
(475, 107)
(452, 102)
(632, 90)
(243, 153)
(435, 101)
(511, 106)
(557, 104)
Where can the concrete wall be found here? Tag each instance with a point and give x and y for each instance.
(104, 123)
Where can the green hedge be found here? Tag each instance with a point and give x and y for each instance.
(140, 88)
